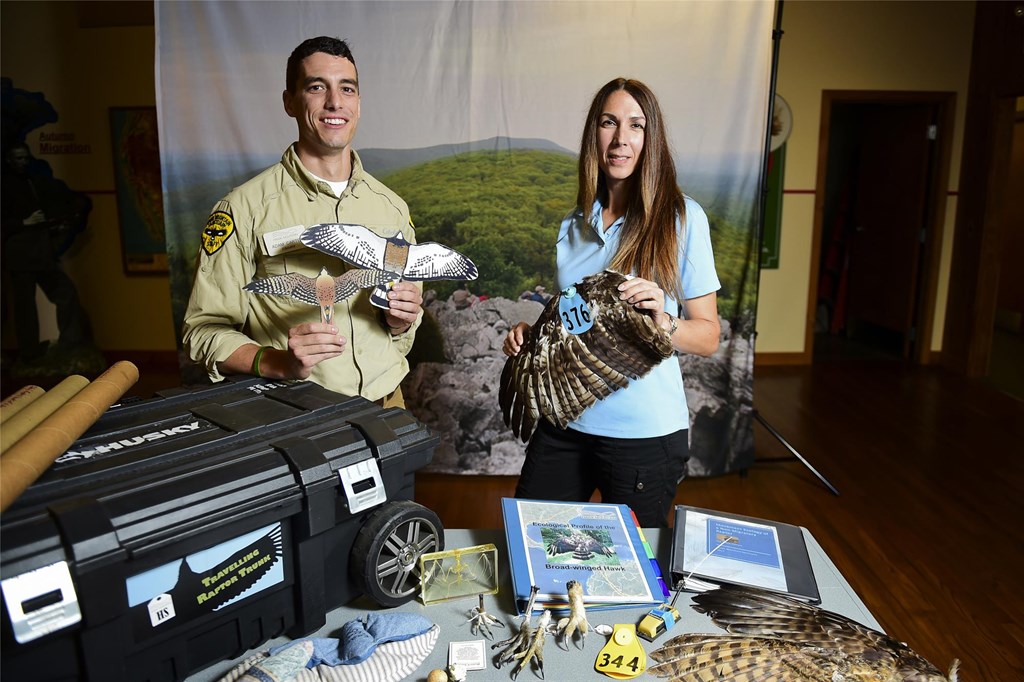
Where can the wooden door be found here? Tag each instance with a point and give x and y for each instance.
(890, 216)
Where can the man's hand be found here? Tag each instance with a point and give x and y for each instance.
(37, 217)
(309, 344)
(406, 302)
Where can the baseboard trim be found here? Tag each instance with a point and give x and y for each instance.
(774, 359)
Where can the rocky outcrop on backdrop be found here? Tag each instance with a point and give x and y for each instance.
(458, 399)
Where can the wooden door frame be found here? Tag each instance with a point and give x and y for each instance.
(945, 103)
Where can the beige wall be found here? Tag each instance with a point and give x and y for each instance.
(82, 72)
(923, 46)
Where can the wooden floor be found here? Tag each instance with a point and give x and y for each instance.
(929, 524)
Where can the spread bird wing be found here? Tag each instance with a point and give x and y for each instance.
(431, 260)
(775, 637)
(354, 244)
(725, 658)
(299, 287)
(557, 375)
(749, 611)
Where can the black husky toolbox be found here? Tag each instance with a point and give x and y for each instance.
(188, 528)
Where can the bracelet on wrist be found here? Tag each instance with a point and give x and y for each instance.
(255, 371)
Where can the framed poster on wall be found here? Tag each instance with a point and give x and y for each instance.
(782, 126)
(136, 157)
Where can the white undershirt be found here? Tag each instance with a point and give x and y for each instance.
(336, 187)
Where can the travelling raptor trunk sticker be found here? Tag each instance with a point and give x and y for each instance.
(198, 584)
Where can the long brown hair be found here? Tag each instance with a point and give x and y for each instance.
(649, 245)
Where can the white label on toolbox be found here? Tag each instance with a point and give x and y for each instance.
(161, 609)
(41, 601)
(363, 485)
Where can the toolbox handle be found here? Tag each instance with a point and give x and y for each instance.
(226, 418)
(311, 467)
(379, 435)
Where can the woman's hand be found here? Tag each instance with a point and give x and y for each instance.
(514, 339)
(647, 296)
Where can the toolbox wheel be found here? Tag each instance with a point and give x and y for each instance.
(386, 552)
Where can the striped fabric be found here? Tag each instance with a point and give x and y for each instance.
(390, 662)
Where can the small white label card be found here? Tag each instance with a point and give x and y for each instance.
(470, 655)
(283, 240)
(161, 609)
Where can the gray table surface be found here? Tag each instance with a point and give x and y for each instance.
(559, 665)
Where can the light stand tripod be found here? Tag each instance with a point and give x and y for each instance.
(776, 39)
(778, 436)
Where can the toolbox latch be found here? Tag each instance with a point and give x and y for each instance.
(364, 488)
(41, 601)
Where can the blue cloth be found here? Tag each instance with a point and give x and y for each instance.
(584, 249)
(358, 638)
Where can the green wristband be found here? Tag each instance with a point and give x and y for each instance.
(256, 361)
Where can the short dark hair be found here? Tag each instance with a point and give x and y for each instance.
(332, 46)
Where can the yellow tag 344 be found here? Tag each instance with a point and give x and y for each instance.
(622, 657)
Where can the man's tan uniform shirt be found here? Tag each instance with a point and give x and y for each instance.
(253, 233)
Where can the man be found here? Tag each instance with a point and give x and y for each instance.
(37, 209)
(253, 233)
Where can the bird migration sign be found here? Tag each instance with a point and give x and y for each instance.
(472, 112)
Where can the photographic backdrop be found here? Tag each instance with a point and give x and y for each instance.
(472, 112)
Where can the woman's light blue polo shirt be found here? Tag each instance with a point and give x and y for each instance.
(654, 405)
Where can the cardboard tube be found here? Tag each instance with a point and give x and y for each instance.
(19, 400)
(34, 414)
(35, 452)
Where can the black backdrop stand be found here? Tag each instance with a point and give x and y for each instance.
(776, 39)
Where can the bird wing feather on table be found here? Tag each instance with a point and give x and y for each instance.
(557, 374)
(775, 638)
(323, 290)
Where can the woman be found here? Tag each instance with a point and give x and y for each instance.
(631, 217)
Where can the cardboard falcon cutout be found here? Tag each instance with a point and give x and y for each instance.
(323, 291)
(363, 248)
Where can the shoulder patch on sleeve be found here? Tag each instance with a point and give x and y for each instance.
(218, 230)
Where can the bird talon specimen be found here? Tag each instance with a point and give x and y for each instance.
(775, 638)
(520, 641)
(536, 648)
(577, 620)
(480, 621)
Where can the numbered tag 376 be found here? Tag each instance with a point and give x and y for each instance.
(574, 312)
